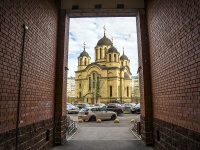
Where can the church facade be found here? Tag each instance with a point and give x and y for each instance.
(106, 80)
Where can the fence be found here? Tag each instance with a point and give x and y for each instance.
(71, 125)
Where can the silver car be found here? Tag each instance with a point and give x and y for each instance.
(94, 113)
(72, 109)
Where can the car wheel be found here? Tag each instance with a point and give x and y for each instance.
(92, 118)
(113, 117)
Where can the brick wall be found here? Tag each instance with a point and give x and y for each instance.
(144, 71)
(38, 72)
(174, 43)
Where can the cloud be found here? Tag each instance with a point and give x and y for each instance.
(90, 31)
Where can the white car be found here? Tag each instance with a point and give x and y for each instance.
(72, 109)
(94, 113)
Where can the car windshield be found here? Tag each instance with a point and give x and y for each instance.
(138, 105)
(111, 106)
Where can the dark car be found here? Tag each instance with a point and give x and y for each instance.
(115, 107)
(136, 108)
(82, 105)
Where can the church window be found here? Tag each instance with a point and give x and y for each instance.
(80, 61)
(98, 82)
(94, 77)
(127, 91)
(110, 91)
(89, 83)
(85, 61)
(79, 94)
(105, 50)
(100, 53)
(79, 85)
(109, 57)
(96, 54)
(121, 63)
(115, 58)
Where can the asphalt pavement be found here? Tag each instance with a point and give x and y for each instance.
(106, 135)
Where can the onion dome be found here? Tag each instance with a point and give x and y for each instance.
(84, 53)
(112, 49)
(104, 40)
(123, 57)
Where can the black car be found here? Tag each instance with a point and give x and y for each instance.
(115, 107)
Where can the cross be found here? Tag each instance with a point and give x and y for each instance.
(104, 28)
(112, 39)
(84, 44)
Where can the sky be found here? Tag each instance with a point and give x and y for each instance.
(91, 30)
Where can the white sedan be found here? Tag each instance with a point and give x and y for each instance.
(94, 113)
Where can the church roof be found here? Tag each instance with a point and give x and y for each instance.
(112, 49)
(104, 41)
(84, 53)
(124, 57)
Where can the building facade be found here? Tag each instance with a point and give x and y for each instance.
(135, 95)
(71, 89)
(106, 80)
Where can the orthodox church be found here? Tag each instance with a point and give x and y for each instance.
(106, 80)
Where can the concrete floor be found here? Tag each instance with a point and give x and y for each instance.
(104, 136)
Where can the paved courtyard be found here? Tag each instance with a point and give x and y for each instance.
(104, 136)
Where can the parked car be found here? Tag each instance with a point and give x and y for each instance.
(129, 105)
(136, 108)
(115, 107)
(96, 112)
(102, 105)
(72, 109)
(83, 105)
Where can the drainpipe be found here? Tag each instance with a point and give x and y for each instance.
(20, 81)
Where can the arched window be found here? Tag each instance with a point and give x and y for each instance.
(100, 53)
(96, 54)
(115, 58)
(85, 61)
(94, 80)
(121, 63)
(105, 51)
(89, 83)
(80, 61)
(79, 94)
(127, 91)
(109, 57)
(79, 85)
(98, 82)
(110, 91)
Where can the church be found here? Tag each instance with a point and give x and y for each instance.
(106, 80)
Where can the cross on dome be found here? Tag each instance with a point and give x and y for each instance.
(104, 30)
(84, 45)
